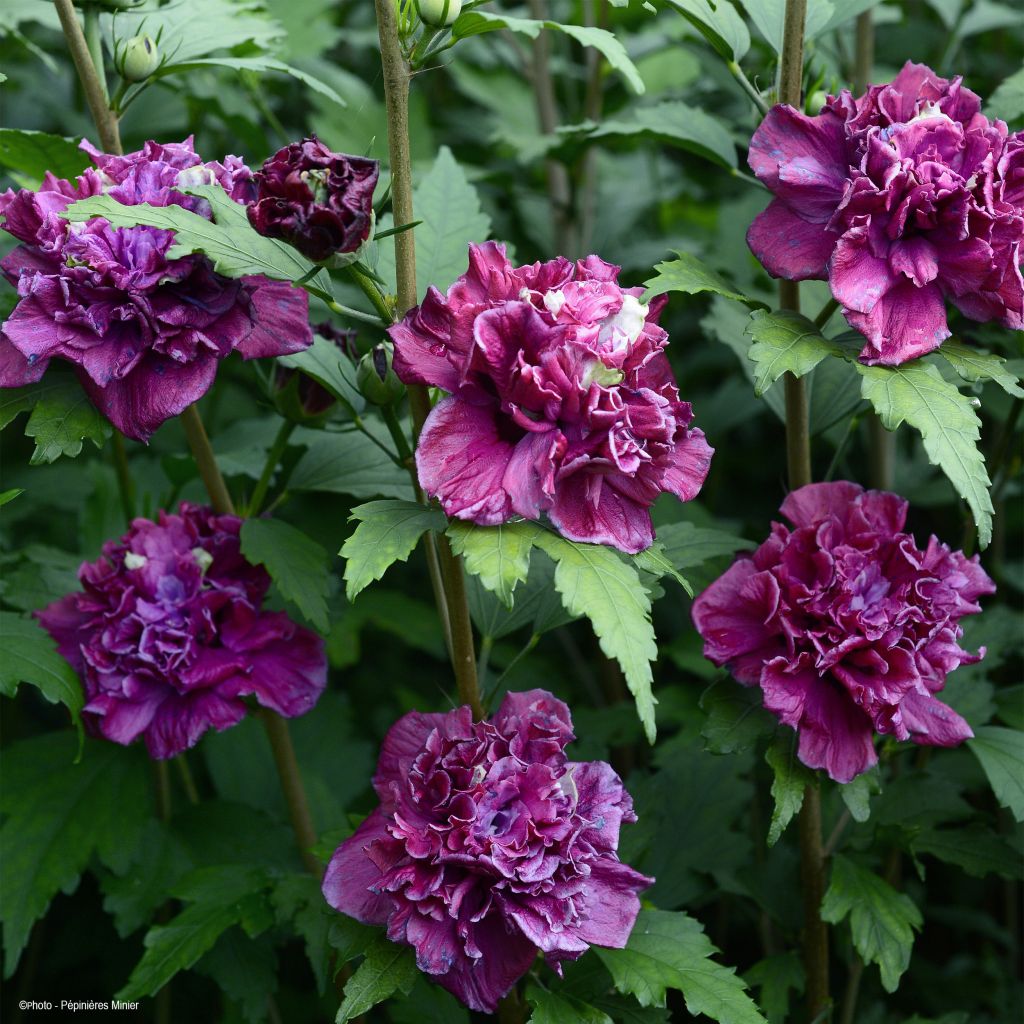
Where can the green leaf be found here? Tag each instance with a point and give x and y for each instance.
(736, 720)
(187, 31)
(1001, 753)
(28, 155)
(449, 207)
(768, 16)
(673, 122)
(245, 970)
(498, 555)
(349, 462)
(330, 367)
(254, 64)
(974, 364)
(686, 545)
(29, 655)
(58, 814)
(61, 419)
(10, 495)
(594, 581)
(719, 23)
(471, 23)
(856, 794)
(388, 531)
(387, 969)
(882, 920)
(229, 241)
(555, 1008)
(669, 950)
(655, 561)
(299, 903)
(915, 393)
(296, 563)
(687, 274)
(775, 976)
(790, 780)
(220, 897)
(784, 342)
(975, 848)
(1007, 102)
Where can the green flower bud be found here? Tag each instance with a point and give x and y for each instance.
(439, 13)
(816, 101)
(137, 59)
(375, 379)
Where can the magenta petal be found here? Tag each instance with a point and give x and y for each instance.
(405, 739)
(932, 723)
(834, 733)
(290, 672)
(15, 369)
(505, 956)
(612, 904)
(789, 246)
(179, 722)
(158, 389)
(588, 508)
(351, 875)
(462, 459)
(734, 616)
(905, 323)
(691, 461)
(814, 502)
(917, 258)
(529, 478)
(280, 320)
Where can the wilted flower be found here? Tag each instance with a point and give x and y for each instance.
(489, 846)
(168, 635)
(319, 201)
(146, 332)
(562, 400)
(902, 198)
(847, 626)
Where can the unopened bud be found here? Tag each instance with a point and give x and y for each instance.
(375, 379)
(816, 101)
(439, 13)
(138, 59)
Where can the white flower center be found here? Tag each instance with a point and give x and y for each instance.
(554, 301)
(134, 561)
(198, 175)
(621, 330)
(203, 558)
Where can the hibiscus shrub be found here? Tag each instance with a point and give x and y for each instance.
(549, 540)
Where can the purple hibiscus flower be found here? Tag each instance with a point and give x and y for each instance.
(562, 399)
(168, 635)
(847, 626)
(145, 332)
(489, 846)
(317, 200)
(901, 199)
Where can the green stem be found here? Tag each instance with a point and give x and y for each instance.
(206, 461)
(125, 484)
(95, 91)
(187, 782)
(277, 449)
(94, 40)
(445, 568)
(291, 784)
(397, 434)
(360, 425)
(825, 315)
(864, 53)
(372, 292)
(747, 86)
(798, 453)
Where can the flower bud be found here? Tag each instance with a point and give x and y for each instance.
(816, 102)
(375, 379)
(138, 59)
(316, 200)
(439, 13)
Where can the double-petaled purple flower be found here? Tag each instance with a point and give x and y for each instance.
(490, 846)
(902, 198)
(847, 626)
(169, 637)
(317, 200)
(562, 399)
(145, 332)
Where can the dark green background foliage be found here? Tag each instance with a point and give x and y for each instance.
(928, 862)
